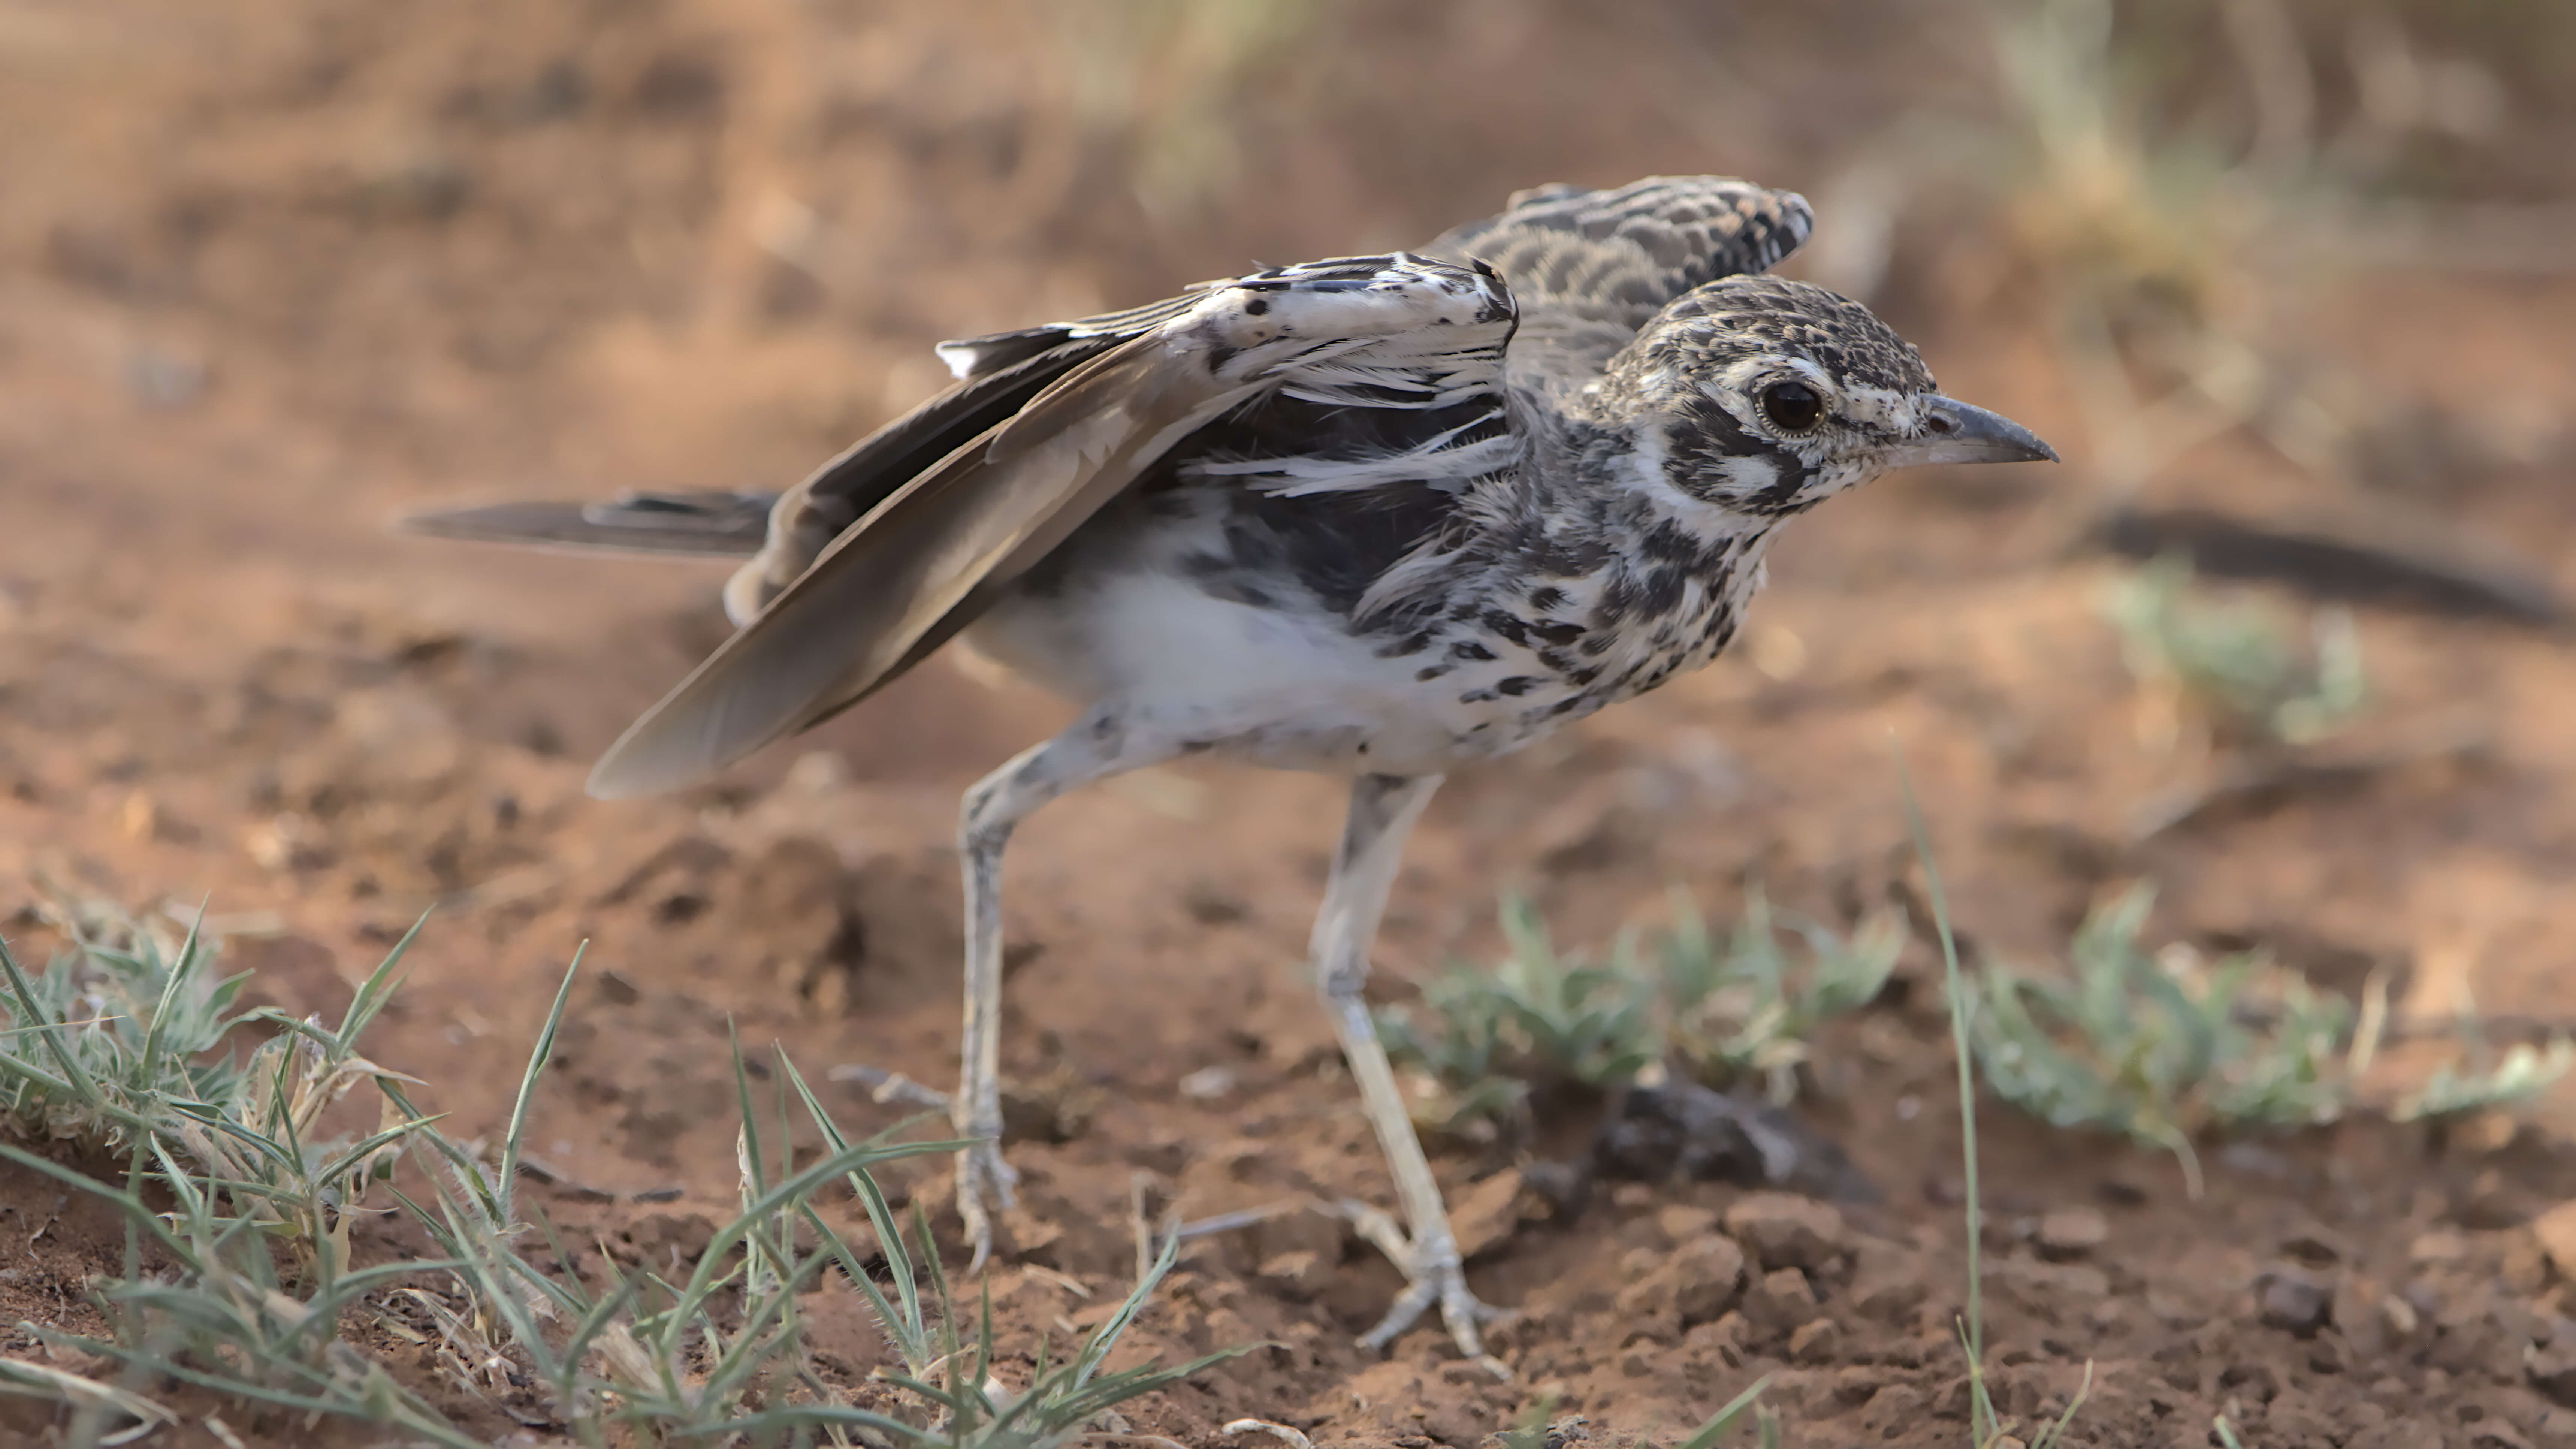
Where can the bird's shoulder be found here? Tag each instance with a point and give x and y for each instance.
(1590, 267)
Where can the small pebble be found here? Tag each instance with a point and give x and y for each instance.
(1817, 1342)
(2437, 1246)
(2073, 1232)
(2556, 1230)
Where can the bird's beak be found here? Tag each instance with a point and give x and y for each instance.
(1954, 432)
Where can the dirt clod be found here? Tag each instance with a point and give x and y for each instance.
(1487, 1214)
(2295, 1302)
(2553, 1371)
(1298, 1253)
(1781, 1301)
(1693, 1284)
(1784, 1231)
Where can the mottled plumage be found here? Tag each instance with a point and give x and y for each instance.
(1377, 516)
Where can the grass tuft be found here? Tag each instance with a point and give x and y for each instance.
(254, 1294)
(2160, 1047)
(1746, 1011)
(2524, 1072)
(1730, 1012)
(2167, 1047)
(1537, 1021)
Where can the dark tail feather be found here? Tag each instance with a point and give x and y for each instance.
(674, 524)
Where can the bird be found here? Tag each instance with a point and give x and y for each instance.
(1377, 517)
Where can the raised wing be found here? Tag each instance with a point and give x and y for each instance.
(1591, 267)
(1399, 336)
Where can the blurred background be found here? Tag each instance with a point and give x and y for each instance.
(2290, 283)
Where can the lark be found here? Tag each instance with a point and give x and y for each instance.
(1379, 517)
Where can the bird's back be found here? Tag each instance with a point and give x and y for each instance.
(1589, 268)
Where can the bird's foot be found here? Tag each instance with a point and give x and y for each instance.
(983, 1179)
(1433, 1275)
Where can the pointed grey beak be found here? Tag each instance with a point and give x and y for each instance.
(1954, 432)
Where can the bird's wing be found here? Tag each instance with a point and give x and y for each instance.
(1591, 267)
(688, 524)
(1403, 333)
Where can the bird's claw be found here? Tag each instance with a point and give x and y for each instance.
(1433, 1274)
(983, 1178)
(981, 1172)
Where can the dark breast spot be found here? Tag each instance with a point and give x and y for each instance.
(1413, 643)
(1663, 591)
(1668, 542)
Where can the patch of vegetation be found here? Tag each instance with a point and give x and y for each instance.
(2524, 1072)
(1746, 1011)
(2232, 666)
(1538, 1020)
(2167, 1047)
(1729, 1012)
(255, 1280)
(2159, 1047)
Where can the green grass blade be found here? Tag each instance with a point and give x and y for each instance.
(505, 1176)
(1959, 1034)
(1721, 1423)
(50, 1031)
(149, 1068)
(378, 988)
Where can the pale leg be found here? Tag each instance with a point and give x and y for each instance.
(1383, 809)
(1098, 745)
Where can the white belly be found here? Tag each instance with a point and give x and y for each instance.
(1283, 686)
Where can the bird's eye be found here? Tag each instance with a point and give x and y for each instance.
(1792, 407)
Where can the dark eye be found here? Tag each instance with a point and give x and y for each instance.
(1792, 407)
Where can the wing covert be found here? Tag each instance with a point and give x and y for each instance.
(1398, 335)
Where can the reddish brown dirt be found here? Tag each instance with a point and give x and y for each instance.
(270, 271)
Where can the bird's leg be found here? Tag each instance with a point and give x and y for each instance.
(1383, 809)
(1098, 745)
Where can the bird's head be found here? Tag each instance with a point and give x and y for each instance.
(1768, 396)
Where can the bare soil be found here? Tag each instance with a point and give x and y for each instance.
(271, 271)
